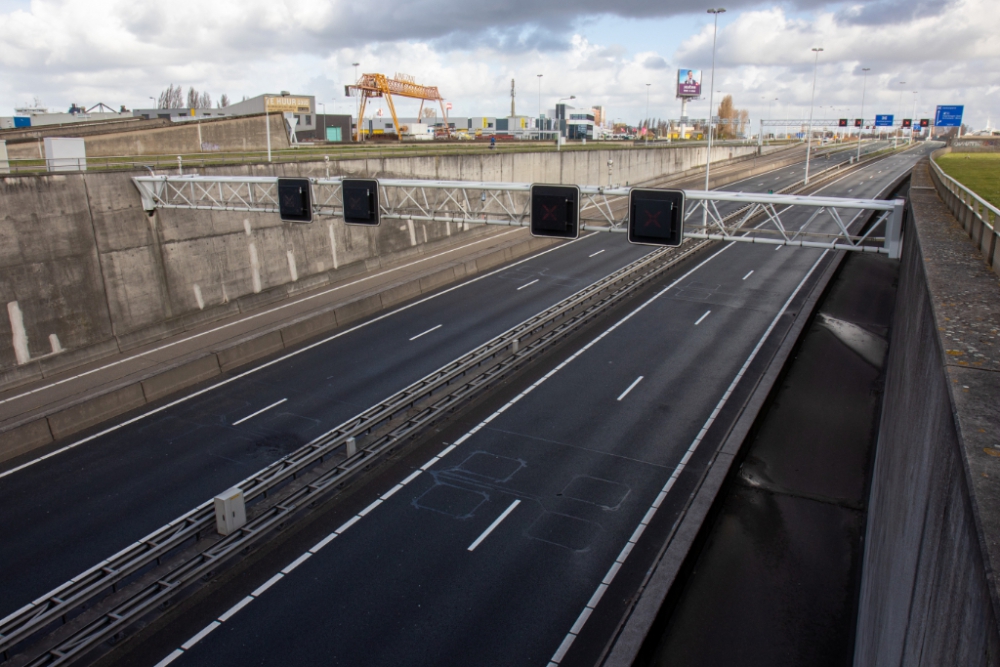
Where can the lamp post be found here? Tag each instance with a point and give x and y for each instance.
(913, 117)
(357, 108)
(899, 109)
(323, 134)
(539, 106)
(811, 102)
(711, 101)
(864, 88)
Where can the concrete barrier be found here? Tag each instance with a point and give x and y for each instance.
(929, 590)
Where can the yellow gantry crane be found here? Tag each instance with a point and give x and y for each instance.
(379, 85)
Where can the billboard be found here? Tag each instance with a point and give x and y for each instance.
(883, 120)
(949, 116)
(688, 83)
(286, 104)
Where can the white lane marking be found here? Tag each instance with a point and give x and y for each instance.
(778, 247)
(596, 253)
(479, 540)
(630, 388)
(273, 405)
(427, 332)
(250, 371)
(577, 627)
(250, 317)
(707, 313)
(290, 567)
(748, 275)
(201, 635)
(527, 284)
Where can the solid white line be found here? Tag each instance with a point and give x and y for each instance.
(427, 332)
(299, 351)
(630, 388)
(707, 313)
(250, 317)
(186, 646)
(273, 405)
(616, 566)
(494, 525)
(596, 253)
(527, 284)
(748, 275)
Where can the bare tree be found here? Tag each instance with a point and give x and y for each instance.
(204, 101)
(171, 98)
(224, 101)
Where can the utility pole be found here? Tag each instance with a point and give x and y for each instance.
(899, 111)
(512, 113)
(812, 100)
(357, 107)
(913, 117)
(864, 88)
(711, 101)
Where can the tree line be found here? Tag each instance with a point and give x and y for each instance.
(173, 98)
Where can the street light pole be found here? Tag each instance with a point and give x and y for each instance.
(913, 117)
(711, 101)
(357, 107)
(812, 100)
(539, 107)
(899, 108)
(864, 88)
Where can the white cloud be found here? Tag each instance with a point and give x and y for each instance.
(123, 52)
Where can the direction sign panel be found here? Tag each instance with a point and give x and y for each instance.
(883, 120)
(949, 115)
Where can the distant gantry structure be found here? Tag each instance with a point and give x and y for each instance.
(379, 85)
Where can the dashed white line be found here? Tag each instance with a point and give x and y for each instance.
(707, 313)
(596, 253)
(479, 540)
(748, 275)
(778, 247)
(273, 405)
(630, 388)
(527, 284)
(577, 627)
(427, 332)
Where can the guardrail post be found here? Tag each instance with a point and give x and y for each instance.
(893, 230)
(230, 511)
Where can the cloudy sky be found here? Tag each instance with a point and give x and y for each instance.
(125, 51)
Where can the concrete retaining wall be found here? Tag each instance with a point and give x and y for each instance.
(242, 133)
(929, 593)
(85, 271)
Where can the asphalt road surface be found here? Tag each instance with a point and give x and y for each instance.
(519, 537)
(68, 512)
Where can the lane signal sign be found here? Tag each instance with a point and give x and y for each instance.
(555, 211)
(656, 217)
(843, 122)
(907, 122)
(859, 122)
(360, 200)
(294, 200)
(925, 122)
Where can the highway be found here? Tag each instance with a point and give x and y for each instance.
(518, 534)
(66, 513)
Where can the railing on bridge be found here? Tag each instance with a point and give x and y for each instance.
(976, 215)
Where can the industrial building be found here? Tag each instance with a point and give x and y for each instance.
(301, 107)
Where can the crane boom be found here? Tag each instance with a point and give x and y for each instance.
(379, 85)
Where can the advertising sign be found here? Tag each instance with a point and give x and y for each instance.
(688, 83)
(287, 104)
(949, 116)
(883, 120)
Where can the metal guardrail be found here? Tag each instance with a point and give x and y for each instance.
(977, 216)
(390, 421)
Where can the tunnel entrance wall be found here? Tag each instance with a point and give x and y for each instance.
(85, 272)
(929, 591)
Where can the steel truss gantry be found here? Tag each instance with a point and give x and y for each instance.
(744, 217)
